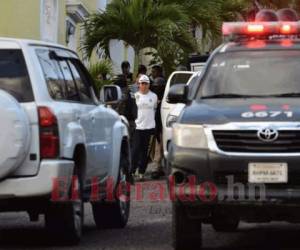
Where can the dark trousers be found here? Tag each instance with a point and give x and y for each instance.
(141, 140)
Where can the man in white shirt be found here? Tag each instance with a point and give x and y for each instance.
(146, 102)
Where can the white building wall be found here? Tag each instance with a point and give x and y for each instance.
(119, 53)
(49, 14)
(101, 4)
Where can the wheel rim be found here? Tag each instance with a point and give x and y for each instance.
(123, 195)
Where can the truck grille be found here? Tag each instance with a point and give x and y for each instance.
(247, 141)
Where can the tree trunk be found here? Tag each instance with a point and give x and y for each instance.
(136, 60)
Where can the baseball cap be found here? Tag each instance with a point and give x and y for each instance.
(144, 78)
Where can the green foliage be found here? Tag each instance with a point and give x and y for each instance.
(100, 71)
(140, 23)
(209, 15)
(164, 25)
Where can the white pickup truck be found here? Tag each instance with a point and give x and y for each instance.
(59, 144)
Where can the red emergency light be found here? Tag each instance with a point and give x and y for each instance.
(261, 28)
(255, 28)
(286, 29)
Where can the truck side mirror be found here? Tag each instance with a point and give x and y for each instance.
(178, 94)
(110, 94)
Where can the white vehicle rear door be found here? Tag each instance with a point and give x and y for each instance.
(177, 77)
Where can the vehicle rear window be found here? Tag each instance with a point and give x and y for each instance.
(53, 75)
(14, 77)
(252, 73)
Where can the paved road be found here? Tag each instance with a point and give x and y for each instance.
(149, 228)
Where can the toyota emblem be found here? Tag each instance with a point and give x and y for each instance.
(268, 134)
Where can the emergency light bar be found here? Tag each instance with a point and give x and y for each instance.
(261, 28)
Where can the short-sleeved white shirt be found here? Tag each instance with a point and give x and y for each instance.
(146, 107)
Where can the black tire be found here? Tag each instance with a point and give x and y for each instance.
(109, 215)
(225, 223)
(186, 232)
(64, 220)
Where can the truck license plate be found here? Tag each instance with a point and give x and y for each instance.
(268, 173)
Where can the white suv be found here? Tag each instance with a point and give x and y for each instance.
(58, 143)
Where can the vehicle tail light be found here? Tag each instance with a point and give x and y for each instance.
(49, 137)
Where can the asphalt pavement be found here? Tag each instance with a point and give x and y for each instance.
(149, 227)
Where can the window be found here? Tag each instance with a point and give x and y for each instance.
(252, 73)
(71, 88)
(14, 77)
(180, 78)
(53, 75)
(66, 80)
(193, 85)
(81, 82)
(71, 34)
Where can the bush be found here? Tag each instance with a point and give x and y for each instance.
(102, 72)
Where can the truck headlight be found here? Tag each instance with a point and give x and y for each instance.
(171, 119)
(189, 136)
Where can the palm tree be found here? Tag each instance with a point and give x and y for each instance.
(164, 25)
(100, 72)
(139, 23)
(227, 11)
(207, 14)
(210, 14)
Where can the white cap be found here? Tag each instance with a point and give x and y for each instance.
(144, 78)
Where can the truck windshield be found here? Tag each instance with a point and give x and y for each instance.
(252, 74)
(14, 77)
